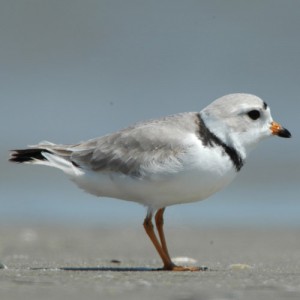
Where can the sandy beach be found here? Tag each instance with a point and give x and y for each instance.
(49, 262)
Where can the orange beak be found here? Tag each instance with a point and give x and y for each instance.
(278, 130)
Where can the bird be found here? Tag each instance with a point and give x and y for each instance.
(181, 158)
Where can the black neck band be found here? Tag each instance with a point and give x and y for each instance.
(209, 139)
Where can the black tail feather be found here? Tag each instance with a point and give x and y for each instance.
(27, 155)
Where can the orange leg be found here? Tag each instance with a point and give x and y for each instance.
(159, 221)
(150, 231)
(162, 246)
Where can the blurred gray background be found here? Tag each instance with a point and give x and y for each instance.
(74, 70)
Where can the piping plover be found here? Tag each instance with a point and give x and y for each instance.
(177, 159)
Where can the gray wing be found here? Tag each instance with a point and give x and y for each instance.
(131, 149)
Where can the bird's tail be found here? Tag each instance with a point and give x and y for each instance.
(57, 156)
(30, 155)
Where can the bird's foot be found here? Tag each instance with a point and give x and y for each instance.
(176, 268)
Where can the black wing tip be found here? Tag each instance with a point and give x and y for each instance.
(26, 155)
(13, 156)
(19, 156)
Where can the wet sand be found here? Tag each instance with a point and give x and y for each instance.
(52, 262)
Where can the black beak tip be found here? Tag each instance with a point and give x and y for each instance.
(284, 133)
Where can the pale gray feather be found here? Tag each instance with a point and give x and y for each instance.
(128, 150)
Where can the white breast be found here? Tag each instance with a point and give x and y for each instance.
(203, 171)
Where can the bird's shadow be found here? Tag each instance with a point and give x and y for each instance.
(114, 269)
(107, 269)
(100, 269)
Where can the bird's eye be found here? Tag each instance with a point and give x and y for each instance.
(254, 114)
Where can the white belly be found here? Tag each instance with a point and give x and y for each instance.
(203, 172)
